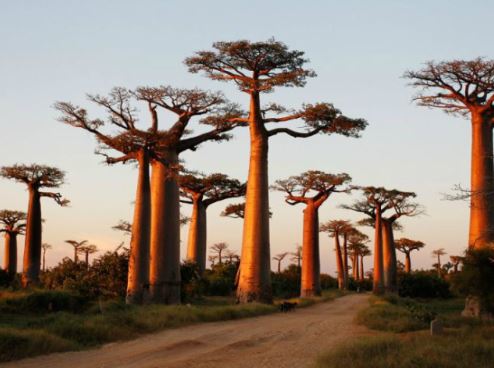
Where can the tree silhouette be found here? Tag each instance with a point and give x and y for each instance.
(456, 260)
(311, 188)
(280, 257)
(202, 191)
(123, 226)
(86, 250)
(438, 253)
(12, 224)
(256, 68)
(76, 245)
(356, 245)
(406, 246)
(219, 248)
(45, 247)
(335, 229)
(35, 177)
(364, 252)
(297, 256)
(466, 88)
(231, 255)
(234, 210)
(212, 260)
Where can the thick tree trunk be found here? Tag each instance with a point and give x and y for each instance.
(310, 280)
(361, 268)
(408, 263)
(255, 271)
(482, 186)
(10, 259)
(339, 261)
(378, 282)
(355, 266)
(164, 280)
(389, 257)
(196, 249)
(345, 261)
(32, 247)
(138, 277)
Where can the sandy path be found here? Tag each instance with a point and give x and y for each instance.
(278, 340)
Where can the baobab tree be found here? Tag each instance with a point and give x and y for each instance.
(76, 245)
(364, 252)
(219, 248)
(311, 188)
(35, 177)
(256, 68)
(202, 191)
(407, 246)
(86, 250)
(335, 229)
(438, 253)
(279, 258)
(123, 226)
(455, 260)
(234, 210)
(45, 247)
(231, 255)
(466, 88)
(356, 244)
(12, 223)
(212, 260)
(297, 256)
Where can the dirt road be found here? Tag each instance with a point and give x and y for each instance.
(276, 341)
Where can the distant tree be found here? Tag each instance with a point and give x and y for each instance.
(280, 257)
(45, 247)
(455, 260)
(123, 226)
(356, 245)
(231, 255)
(212, 260)
(363, 253)
(297, 256)
(76, 245)
(86, 250)
(35, 177)
(202, 191)
(219, 248)
(438, 253)
(256, 68)
(335, 229)
(12, 223)
(466, 88)
(311, 188)
(406, 246)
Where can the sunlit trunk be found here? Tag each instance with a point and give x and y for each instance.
(361, 268)
(339, 260)
(255, 274)
(355, 266)
(164, 279)
(138, 278)
(389, 257)
(408, 263)
(196, 249)
(310, 280)
(378, 282)
(482, 188)
(10, 255)
(345, 261)
(32, 247)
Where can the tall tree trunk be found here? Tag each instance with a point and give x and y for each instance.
(44, 260)
(408, 263)
(339, 261)
(32, 247)
(10, 259)
(311, 269)
(279, 266)
(439, 265)
(345, 261)
(196, 249)
(482, 186)
(87, 259)
(361, 268)
(389, 257)
(378, 282)
(355, 266)
(138, 276)
(255, 270)
(76, 256)
(164, 279)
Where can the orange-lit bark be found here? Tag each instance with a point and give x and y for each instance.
(138, 278)
(255, 274)
(345, 260)
(389, 257)
(196, 248)
(408, 263)
(32, 247)
(164, 277)
(482, 197)
(10, 255)
(355, 266)
(339, 261)
(311, 282)
(378, 282)
(361, 277)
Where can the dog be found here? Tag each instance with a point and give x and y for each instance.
(287, 306)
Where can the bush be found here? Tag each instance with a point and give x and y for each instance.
(422, 284)
(328, 282)
(286, 284)
(192, 286)
(43, 302)
(220, 280)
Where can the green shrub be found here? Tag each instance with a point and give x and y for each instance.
(286, 284)
(328, 282)
(192, 286)
(43, 301)
(422, 284)
(220, 280)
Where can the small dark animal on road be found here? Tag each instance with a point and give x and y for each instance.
(287, 306)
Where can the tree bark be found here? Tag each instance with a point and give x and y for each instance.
(377, 283)
(339, 260)
(355, 267)
(310, 280)
(196, 249)
(345, 261)
(408, 263)
(482, 186)
(43, 268)
(138, 277)
(361, 268)
(255, 271)
(389, 257)
(164, 279)
(32, 247)
(10, 259)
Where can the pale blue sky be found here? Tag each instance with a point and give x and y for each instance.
(61, 50)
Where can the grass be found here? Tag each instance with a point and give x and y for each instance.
(31, 324)
(407, 343)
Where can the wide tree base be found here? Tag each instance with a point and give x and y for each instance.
(165, 293)
(308, 293)
(258, 296)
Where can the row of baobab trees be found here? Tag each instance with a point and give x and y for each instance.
(256, 68)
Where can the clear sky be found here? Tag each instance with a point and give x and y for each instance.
(61, 50)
